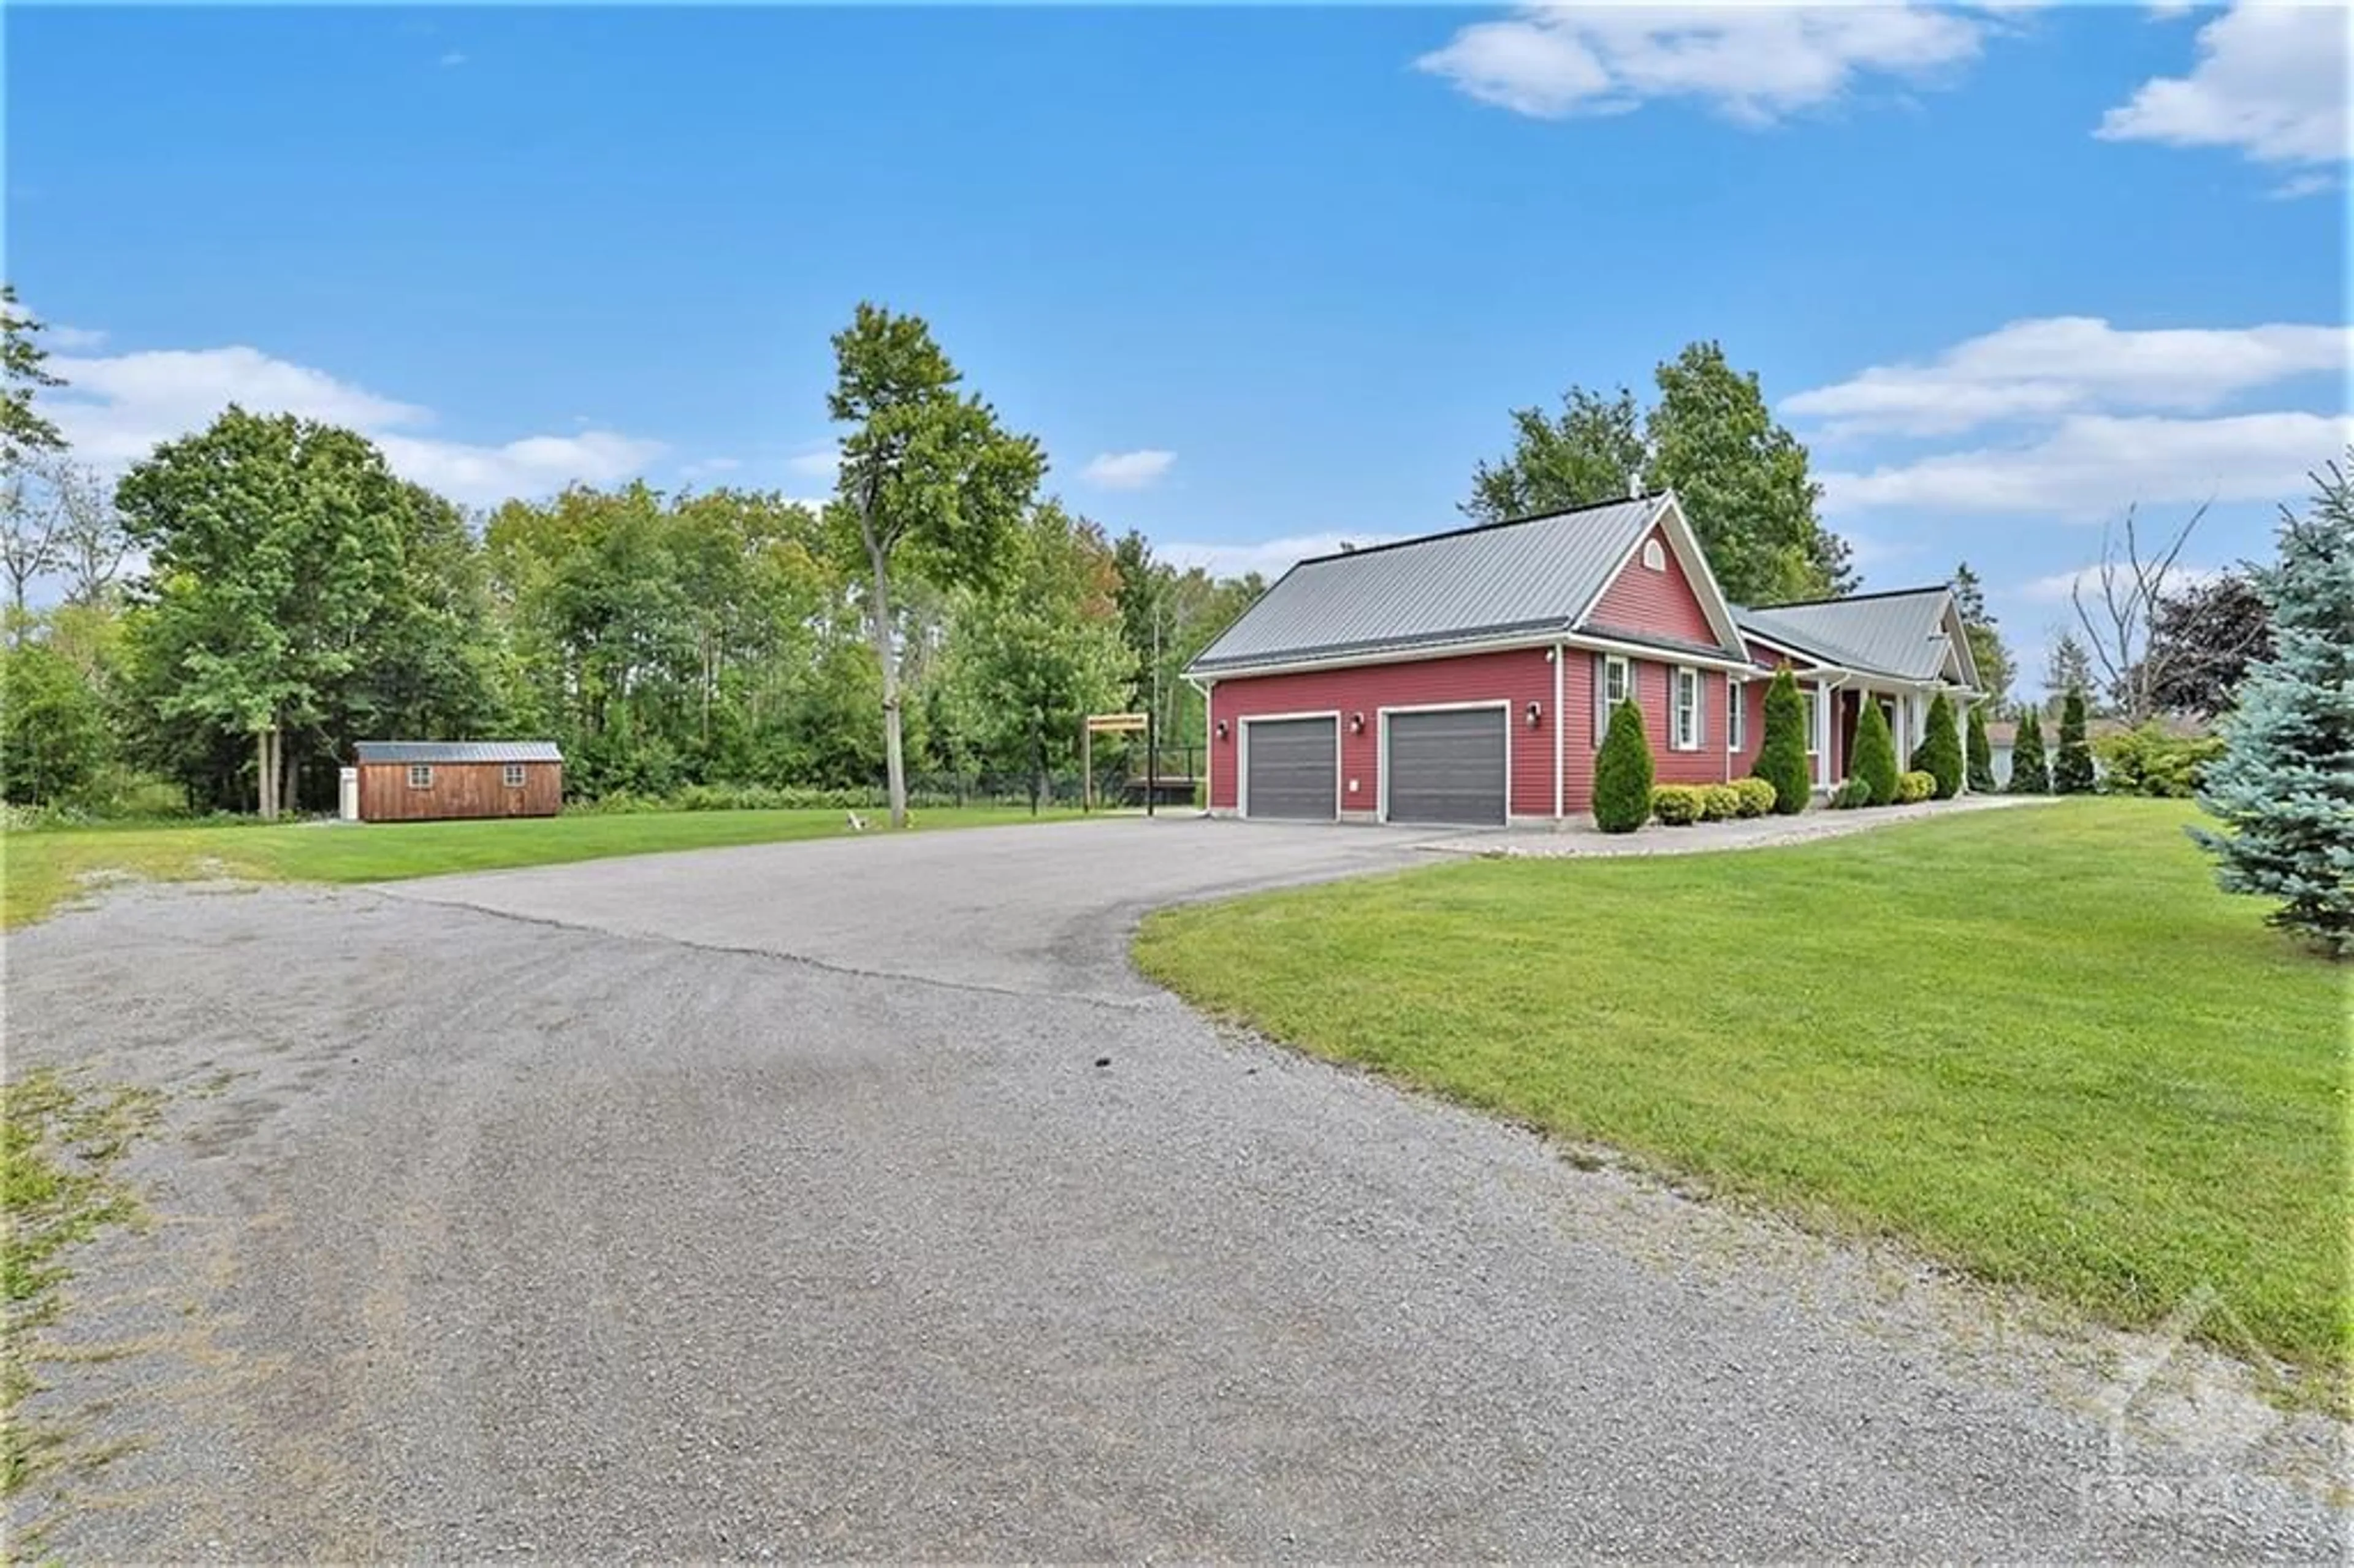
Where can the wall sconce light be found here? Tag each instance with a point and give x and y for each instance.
(1222, 729)
(1536, 712)
(1356, 724)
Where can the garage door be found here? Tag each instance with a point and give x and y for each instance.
(1447, 766)
(1293, 767)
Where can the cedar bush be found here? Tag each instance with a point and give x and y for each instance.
(1718, 802)
(2148, 761)
(1782, 750)
(1916, 786)
(1848, 796)
(1875, 755)
(1980, 766)
(1622, 772)
(1677, 805)
(2072, 770)
(1753, 796)
(2027, 776)
(1939, 754)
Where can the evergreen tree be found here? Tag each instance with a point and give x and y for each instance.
(2284, 785)
(1940, 751)
(1622, 773)
(2072, 770)
(1980, 766)
(2028, 775)
(1782, 752)
(1874, 761)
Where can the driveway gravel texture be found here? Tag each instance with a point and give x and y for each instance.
(857, 1199)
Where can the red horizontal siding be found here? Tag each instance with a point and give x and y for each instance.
(1519, 677)
(1708, 764)
(1658, 604)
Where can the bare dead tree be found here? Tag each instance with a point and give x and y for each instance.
(28, 536)
(91, 546)
(2117, 625)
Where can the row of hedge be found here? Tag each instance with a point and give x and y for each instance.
(1625, 798)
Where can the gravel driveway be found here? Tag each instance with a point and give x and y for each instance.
(855, 1199)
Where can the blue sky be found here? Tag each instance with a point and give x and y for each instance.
(1259, 278)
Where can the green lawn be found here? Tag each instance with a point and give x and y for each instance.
(43, 868)
(2037, 1045)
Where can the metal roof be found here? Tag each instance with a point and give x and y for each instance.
(1902, 635)
(1530, 576)
(456, 751)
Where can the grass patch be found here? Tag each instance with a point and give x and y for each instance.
(59, 1143)
(2037, 1045)
(44, 868)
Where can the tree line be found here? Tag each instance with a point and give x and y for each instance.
(252, 597)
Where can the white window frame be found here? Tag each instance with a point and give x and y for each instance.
(1655, 556)
(1812, 701)
(1622, 667)
(513, 775)
(420, 775)
(1682, 714)
(1736, 713)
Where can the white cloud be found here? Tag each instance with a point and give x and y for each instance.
(2270, 80)
(2060, 588)
(114, 409)
(1127, 471)
(2056, 366)
(453, 59)
(705, 467)
(1270, 558)
(62, 339)
(2313, 182)
(2093, 465)
(823, 462)
(1754, 63)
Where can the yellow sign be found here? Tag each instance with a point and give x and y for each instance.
(1116, 724)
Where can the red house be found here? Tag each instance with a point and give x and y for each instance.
(1467, 677)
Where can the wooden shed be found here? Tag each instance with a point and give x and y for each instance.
(425, 780)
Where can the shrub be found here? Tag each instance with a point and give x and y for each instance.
(2027, 776)
(1677, 805)
(1718, 802)
(1782, 751)
(2072, 768)
(1915, 787)
(2148, 761)
(1622, 773)
(1752, 797)
(1848, 796)
(1939, 755)
(1980, 766)
(1874, 761)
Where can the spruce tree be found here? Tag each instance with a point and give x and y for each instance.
(1980, 767)
(1874, 761)
(2027, 776)
(2072, 768)
(1782, 752)
(1940, 751)
(1622, 773)
(2283, 787)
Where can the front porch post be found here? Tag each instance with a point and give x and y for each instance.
(1824, 729)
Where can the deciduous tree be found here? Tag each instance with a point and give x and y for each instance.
(928, 479)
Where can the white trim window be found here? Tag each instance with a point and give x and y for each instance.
(1684, 717)
(420, 775)
(1655, 558)
(1813, 699)
(1736, 715)
(1618, 680)
(512, 776)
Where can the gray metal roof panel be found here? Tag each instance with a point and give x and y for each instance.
(1532, 575)
(454, 752)
(1902, 634)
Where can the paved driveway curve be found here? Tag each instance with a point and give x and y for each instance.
(776, 1201)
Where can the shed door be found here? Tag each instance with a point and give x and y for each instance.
(1447, 766)
(1292, 768)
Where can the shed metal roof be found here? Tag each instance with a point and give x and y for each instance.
(1529, 576)
(456, 751)
(1903, 634)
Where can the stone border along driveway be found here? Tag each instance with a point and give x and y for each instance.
(1753, 832)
